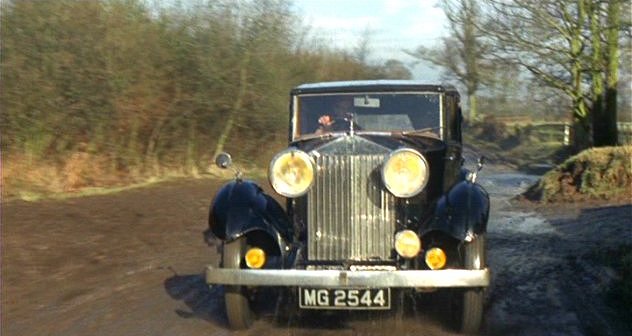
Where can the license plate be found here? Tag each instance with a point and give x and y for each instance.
(344, 298)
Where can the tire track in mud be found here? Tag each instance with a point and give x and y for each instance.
(132, 264)
(540, 286)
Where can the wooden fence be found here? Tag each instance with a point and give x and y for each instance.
(562, 132)
(553, 132)
(625, 133)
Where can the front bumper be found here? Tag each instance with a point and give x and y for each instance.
(336, 278)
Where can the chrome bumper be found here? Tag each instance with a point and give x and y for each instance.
(335, 278)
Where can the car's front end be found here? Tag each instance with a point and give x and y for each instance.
(380, 204)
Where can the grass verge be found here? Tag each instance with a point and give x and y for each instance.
(31, 183)
(594, 174)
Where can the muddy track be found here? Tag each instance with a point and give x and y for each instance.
(132, 263)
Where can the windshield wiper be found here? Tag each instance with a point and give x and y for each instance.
(318, 136)
(430, 130)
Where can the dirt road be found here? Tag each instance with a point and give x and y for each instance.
(131, 264)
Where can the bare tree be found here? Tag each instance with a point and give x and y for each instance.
(462, 53)
(546, 37)
(613, 27)
(597, 70)
(395, 69)
(560, 43)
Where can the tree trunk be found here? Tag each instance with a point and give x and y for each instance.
(191, 162)
(473, 112)
(612, 57)
(581, 125)
(237, 104)
(151, 155)
(132, 158)
(581, 115)
(581, 135)
(597, 87)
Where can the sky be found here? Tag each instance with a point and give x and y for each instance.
(394, 25)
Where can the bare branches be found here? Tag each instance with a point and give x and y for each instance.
(150, 88)
(463, 53)
(558, 42)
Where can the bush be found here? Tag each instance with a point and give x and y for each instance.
(598, 173)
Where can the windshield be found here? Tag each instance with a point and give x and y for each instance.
(373, 112)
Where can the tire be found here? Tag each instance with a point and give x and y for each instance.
(238, 310)
(470, 301)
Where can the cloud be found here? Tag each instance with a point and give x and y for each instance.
(392, 7)
(394, 25)
(343, 32)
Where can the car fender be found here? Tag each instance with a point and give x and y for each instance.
(241, 207)
(462, 212)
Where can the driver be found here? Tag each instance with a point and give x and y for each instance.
(338, 120)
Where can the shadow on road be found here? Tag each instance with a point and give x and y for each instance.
(276, 309)
(205, 302)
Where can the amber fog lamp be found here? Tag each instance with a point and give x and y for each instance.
(436, 258)
(255, 258)
(291, 173)
(405, 173)
(407, 244)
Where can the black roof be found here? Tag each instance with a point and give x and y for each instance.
(372, 85)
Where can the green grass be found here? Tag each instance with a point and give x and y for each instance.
(34, 193)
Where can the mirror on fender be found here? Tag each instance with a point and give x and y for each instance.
(479, 165)
(223, 160)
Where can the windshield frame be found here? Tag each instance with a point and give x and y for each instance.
(294, 127)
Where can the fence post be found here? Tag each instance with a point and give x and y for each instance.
(567, 134)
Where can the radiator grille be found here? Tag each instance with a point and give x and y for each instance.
(350, 214)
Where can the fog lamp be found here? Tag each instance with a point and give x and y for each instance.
(255, 258)
(407, 243)
(435, 258)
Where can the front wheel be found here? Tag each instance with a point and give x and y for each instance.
(240, 315)
(470, 301)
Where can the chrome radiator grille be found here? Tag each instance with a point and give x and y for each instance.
(350, 214)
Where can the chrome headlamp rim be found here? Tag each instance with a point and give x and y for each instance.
(426, 176)
(306, 157)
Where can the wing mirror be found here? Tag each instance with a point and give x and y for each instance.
(479, 165)
(224, 160)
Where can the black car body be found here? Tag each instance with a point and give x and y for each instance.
(377, 198)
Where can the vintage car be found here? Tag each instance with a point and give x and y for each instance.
(378, 199)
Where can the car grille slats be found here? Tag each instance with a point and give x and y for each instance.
(350, 214)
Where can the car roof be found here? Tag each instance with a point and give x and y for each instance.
(372, 85)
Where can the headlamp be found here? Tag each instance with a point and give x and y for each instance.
(405, 173)
(291, 172)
